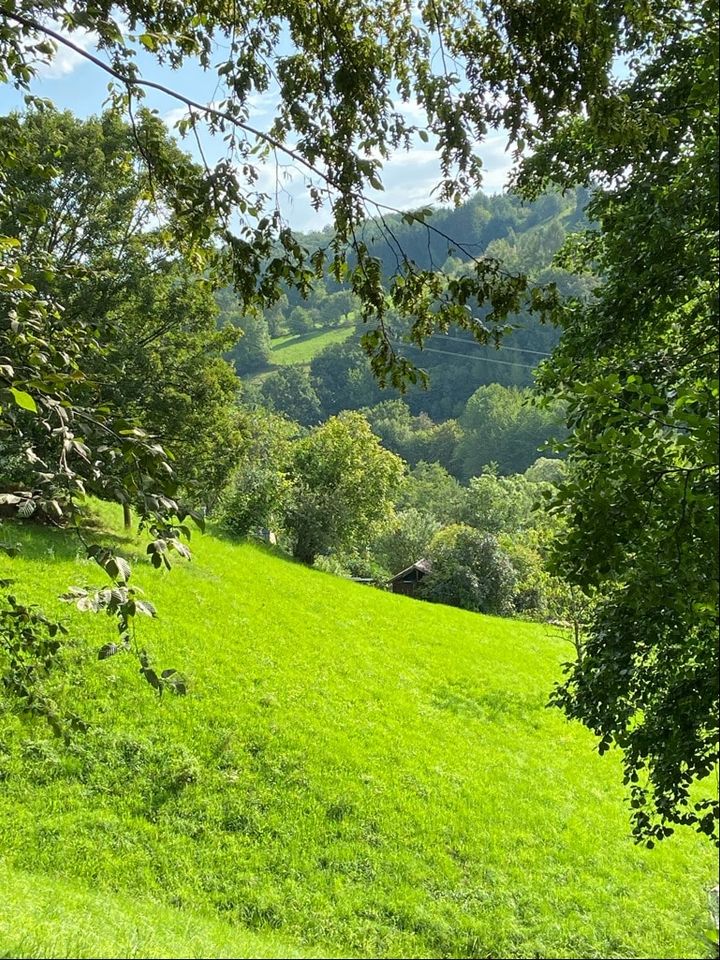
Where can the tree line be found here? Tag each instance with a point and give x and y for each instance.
(336, 498)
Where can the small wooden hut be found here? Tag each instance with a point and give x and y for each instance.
(407, 580)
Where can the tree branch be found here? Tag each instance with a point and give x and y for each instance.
(207, 109)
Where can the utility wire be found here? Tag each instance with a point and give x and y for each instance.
(464, 356)
(474, 343)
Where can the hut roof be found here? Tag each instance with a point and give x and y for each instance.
(423, 566)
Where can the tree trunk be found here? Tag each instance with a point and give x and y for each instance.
(127, 516)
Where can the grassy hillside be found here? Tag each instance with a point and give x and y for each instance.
(303, 347)
(44, 917)
(353, 773)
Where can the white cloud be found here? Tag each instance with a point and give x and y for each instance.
(65, 61)
(263, 104)
(171, 117)
(409, 178)
(497, 162)
(412, 110)
(261, 109)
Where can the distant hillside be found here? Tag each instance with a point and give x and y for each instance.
(353, 773)
(523, 236)
(301, 348)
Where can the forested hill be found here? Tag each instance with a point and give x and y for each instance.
(523, 235)
(472, 228)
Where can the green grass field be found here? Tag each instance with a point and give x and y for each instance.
(353, 774)
(48, 917)
(303, 347)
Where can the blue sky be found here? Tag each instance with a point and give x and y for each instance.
(74, 83)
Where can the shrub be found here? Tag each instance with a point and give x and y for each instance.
(469, 570)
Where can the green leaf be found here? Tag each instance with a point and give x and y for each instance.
(144, 606)
(24, 400)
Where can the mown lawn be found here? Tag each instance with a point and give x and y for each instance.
(354, 773)
(303, 347)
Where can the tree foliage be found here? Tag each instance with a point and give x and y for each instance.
(258, 489)
(85, 222)
(251, 351)
(339, 94)
(637, 371)
(290, 391)
(415, 439)
(344, 484)
(404, 540)
(502, 425)
(502, 504)
(431, 489)
(469, 570)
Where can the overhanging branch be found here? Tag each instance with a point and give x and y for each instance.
(193, 105)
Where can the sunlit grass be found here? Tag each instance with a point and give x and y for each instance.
(353, 772)
(45, 917)
(303, 347)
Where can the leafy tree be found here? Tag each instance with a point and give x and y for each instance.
(430, 489)
(404, 539)
(546, 470)
(47, 384)
(391, 420)
(540, 594)
(276, 316)
(357, 564)
(251, 351)
(259, 487)
(436, 442)
(79, 208)
(290, 391)
(337, 308)
(415, 438)
(344, 485)
(320, 307)
(343, 378)
(637, 371)
(469, 570)
(497, 504)
(301, 320)
(502, 426)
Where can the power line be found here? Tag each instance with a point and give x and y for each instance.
(474, 343)
(465, 356)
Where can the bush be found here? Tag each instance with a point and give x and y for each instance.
(539, 594)
(356, 565)
(469, 570)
